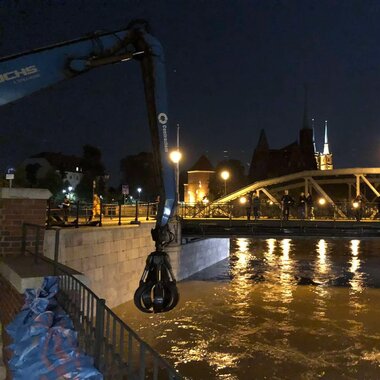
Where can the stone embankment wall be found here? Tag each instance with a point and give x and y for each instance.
(113, 257)
(18, 206)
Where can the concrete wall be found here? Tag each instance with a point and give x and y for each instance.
(18, 206)
(113, 258)
(193, 257)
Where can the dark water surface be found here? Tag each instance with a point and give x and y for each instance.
(275, 309)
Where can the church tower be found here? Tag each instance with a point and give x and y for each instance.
(306, 140)
(316, 153)
(325, 158)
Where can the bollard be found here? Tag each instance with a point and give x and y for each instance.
(147, 211)
(101, 212)
(99, 331)
(77, 219)
(136, 221)
(119, 214)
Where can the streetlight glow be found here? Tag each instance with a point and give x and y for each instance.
(243, 200)
(175, 156)
(225, 175)
(322, 201)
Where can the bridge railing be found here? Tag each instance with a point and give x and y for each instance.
(270, 210)
(117, 350)
(81, 213)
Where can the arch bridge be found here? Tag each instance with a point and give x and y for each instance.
(334, 189)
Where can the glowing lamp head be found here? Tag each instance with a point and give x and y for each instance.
(175, 156)
(243, 200)
(356, 204)
(322, 201)
(139, 190)
(225, 175)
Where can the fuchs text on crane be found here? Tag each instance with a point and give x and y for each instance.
(24, 72)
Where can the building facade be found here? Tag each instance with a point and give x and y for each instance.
(198, 180)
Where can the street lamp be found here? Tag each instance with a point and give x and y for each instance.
(136, 221)
(225, 175)
(175, 156)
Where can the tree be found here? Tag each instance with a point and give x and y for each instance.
(28, 177)
(138, 171)
(51, 181)
(93, 173)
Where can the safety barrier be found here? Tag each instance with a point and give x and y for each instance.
(117, 350)
(269, 210)
(81, 213)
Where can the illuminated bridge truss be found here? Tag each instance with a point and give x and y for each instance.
(337, 187)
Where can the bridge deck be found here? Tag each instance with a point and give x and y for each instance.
(274, 227)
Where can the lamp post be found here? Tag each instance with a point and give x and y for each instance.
(225, 175)
(136, 221)
(175, 157)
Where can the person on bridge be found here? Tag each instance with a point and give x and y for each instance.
(248, 209)
(358, 207)
(65, 208)
(302, 205)
(286, 202)
(256, 205)
(309, 206)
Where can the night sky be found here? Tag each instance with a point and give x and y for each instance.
(234, 67)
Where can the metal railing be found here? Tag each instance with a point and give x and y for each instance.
(269, 210)
(118, 352)
(80, 213)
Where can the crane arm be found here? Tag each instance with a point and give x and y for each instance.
(25, 73)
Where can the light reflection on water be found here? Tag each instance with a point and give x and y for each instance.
(278, 309)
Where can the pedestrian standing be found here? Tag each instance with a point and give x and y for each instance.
(249, 207)
(302, 205)
(286, 202)
(65, 208)
(309, 206)
(256, 205)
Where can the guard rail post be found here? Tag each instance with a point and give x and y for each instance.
(99, 330)
(101, 212)
(77, 217)
(119, 223)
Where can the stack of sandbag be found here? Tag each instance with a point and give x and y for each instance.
(45, 345)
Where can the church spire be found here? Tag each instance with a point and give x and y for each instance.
(263, 142)
(312, 127)
(305, 108)
(326, 149)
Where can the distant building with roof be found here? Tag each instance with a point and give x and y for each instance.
(69, 167)
(324, 159)
(198, 180)
(298, 156)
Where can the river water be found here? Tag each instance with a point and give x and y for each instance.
(275, 309)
